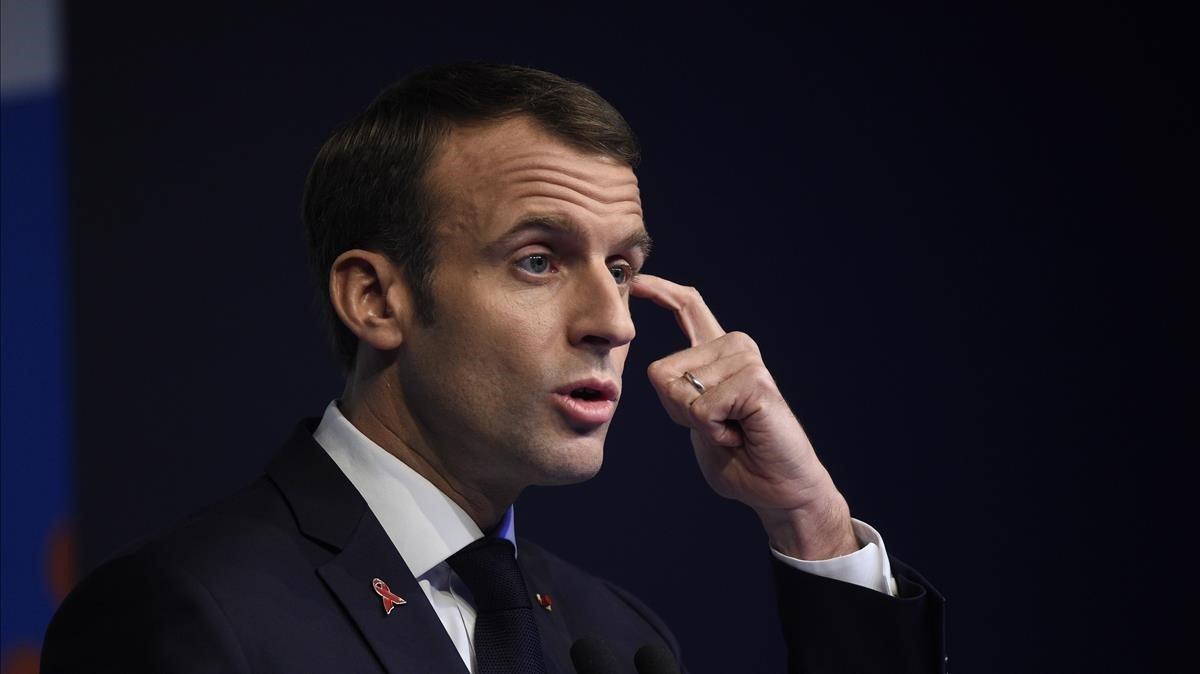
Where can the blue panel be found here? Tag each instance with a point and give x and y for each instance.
(35, 396)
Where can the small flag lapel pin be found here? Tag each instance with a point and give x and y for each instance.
(545, 601)
(390, 599)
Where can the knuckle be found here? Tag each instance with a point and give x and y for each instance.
(762, 377)
(656, 370)
(743, 341)
(672, 386)
(749, 359)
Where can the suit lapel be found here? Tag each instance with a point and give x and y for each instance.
(412, 633)
(556, 637)
(329, 509)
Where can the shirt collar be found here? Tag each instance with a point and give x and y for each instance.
(425, 525)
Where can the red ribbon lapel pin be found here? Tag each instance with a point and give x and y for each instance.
(390, 599)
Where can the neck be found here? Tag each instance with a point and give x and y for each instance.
(379, 418)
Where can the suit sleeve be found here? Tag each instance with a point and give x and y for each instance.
(834, 626)
(133, 616)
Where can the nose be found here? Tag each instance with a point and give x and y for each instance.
(601, 319)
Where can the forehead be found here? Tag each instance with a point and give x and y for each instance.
(488, 175)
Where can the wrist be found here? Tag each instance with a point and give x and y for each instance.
(821, 530)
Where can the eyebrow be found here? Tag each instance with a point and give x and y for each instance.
(553, 224)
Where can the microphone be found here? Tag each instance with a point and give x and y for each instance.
(592, 655)
(655, 659)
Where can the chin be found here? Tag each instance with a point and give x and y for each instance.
(573, 462)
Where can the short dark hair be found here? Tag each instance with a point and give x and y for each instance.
(367, 187)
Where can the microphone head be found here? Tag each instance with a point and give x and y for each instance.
(593, 655)
(655, 659)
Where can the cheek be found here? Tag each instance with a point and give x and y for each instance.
(510, 336)
(525, 318)
(498, 325)
(523, 341)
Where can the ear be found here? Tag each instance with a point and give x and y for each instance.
(371, 297)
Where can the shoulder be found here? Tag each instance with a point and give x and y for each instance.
(145, 607)
(191, 596)
(252, 527)
(256, 532)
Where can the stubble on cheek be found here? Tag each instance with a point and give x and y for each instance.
(504, 347)
(534, 361)
(497, 369)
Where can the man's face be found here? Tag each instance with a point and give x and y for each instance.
(536, 244)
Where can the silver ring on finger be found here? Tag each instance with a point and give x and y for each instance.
(694, 382)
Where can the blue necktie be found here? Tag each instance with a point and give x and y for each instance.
(506, 636)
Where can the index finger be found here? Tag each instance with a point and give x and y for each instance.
(693, 315)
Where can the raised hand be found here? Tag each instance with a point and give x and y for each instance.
(748, 443)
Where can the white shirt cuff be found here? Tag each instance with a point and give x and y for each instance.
(868, 567)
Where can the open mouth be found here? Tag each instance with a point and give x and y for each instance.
(588, 402)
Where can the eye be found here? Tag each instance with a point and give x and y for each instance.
(535, 264)
(622, 273)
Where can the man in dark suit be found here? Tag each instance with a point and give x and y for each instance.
(477, 232)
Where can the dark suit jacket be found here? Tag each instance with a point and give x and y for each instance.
(278, 579)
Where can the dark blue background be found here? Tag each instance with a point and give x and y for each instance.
(958, 236)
